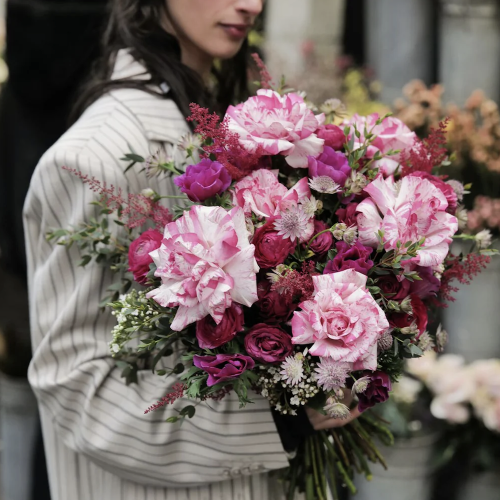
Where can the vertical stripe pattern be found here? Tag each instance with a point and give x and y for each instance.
(99, 443)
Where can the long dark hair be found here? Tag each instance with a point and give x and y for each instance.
(136, 25)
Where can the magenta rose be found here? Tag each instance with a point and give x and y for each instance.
(204, 180)
(347, 215)
(427, 286)
(138, 254)
(377, 392)
(268, 344)
(392, 288)
(332, 135)
(271, 249)
(223, 367)
(420, 316)
(323, 242)
(331, 164)
(350, 257)
(272, 306)
(211, 335)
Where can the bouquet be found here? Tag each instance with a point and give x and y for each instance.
(301, 264)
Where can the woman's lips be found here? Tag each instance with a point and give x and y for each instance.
(236, 30)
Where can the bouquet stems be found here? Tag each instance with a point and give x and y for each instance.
(328, 460)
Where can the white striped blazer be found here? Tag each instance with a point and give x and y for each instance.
(99, 444)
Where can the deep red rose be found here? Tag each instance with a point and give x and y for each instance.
(333, 136)
(427, 286)
(322, 243)
(138, 254)
(355, 257)
(223, 366)
(272, 306)
(347, 215)
(267, 343)
(392, 288)
(271, 249)
(446, 189)
(210, 335)
(402, 320)
(376, 392)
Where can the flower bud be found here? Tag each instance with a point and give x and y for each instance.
(351, 235)
(361, 385)
(148, 193)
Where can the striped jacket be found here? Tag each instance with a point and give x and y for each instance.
(99, 444)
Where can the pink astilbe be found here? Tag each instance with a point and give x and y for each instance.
(169, 398)
(266, 80)
(296, 285)
(429, 153)
(461, 270)
(220, 142)
(134, 210)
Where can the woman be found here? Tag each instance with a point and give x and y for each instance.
(158, 58)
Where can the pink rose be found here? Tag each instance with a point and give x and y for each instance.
(268, 344)
(342, 321)
(332, 135)
(223, 367)
(391, 134)
(205, 262)
(277, 125)
(446, 189)
(271, 249)
(262, 194)
(138, 254)
(211, 335)
(407, 213)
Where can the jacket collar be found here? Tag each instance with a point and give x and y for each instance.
(159, 116)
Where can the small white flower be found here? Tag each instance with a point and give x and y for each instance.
(115, 348)
(458, 187)
(295, 401)
(351, 235)
(356, 183)
(361, 385)
(338, 232)
(334, 409)
(292, 370)
(331, 106)
(441, 338)
(483, 238)
(293, 223)
(311, 206)
(324, 184)
(331, 374)
(189, 141)
(148, 193)
(462, 217)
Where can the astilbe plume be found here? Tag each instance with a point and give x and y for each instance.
(429, 153)
(461, 270)
(220, 142)
(169, 398)
(266, 80)
(296, 285)
(134, 210)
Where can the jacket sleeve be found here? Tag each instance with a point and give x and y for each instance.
(76, 380)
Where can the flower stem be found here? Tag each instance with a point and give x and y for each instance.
(315, 236)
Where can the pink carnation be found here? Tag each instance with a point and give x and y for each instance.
(342, 320)
(277, 125)
(407, 212)
(205, 263)
(391, 134)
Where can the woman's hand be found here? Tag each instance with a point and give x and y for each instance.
(321, 422)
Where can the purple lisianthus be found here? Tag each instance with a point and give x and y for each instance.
(330, 164)
(204, 180)
(376, 392)
(350, 257)
(427, 286)
(223, 367)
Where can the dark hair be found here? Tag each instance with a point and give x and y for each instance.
(136, 25)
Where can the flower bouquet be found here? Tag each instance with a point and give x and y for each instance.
(300, 264)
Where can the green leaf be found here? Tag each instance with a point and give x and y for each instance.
(85, 260)
(188, 411)
(178, 369)
(172, 420)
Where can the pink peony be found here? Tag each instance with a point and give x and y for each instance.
(446, 189)
(342, 320)
(392, 134)
(262, 194)
(277, 125)
(205, 263)
(407, 212)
